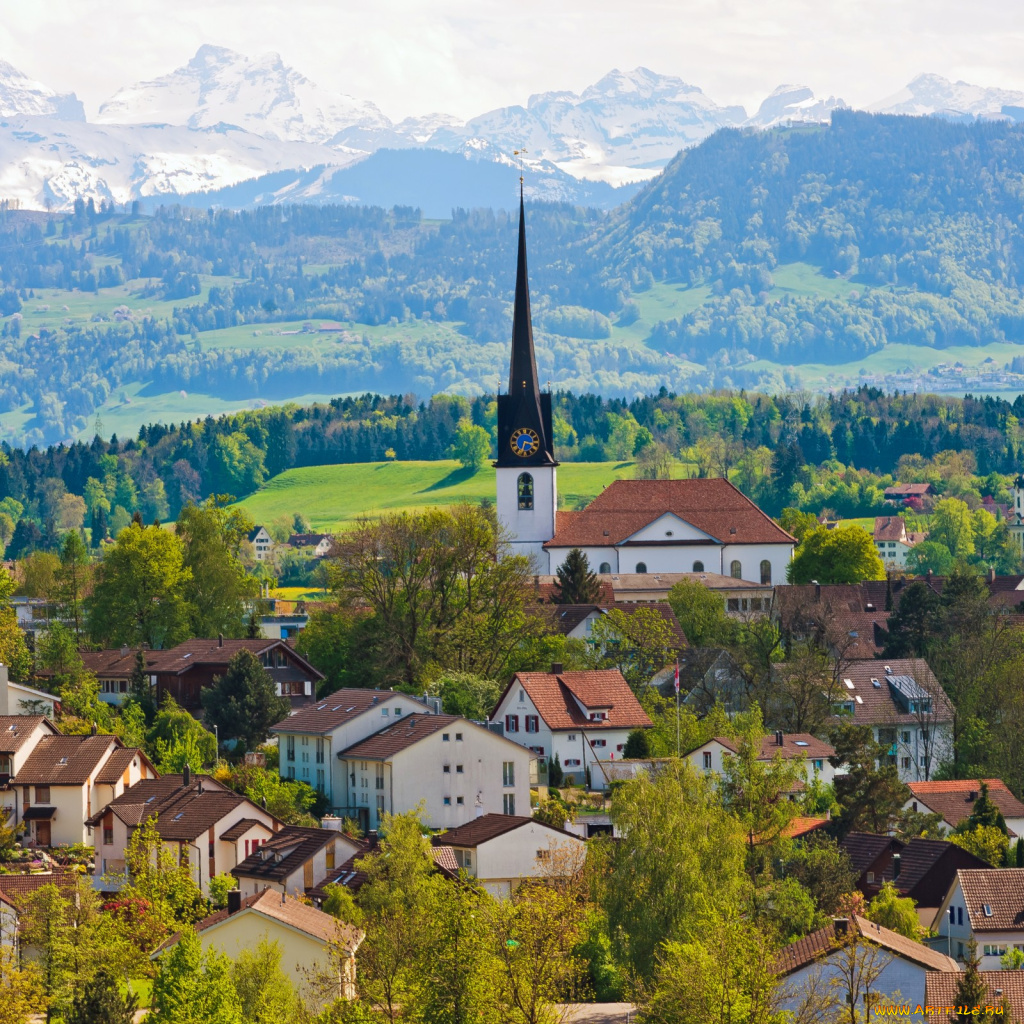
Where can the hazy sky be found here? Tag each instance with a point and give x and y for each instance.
(467, 56)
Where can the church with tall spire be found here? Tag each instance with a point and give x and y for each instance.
(526, 466)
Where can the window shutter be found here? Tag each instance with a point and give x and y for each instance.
(308, 688)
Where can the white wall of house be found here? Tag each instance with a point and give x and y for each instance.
(17, 759)
(912, 751)
(899, 981)
(709, 758)
(954, 927)
(324, 860)
(18, 699)
(528, 529)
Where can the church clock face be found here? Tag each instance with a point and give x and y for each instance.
(524, 442)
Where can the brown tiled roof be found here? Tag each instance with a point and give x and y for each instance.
(795, 744)
(999, 889)
(217, 652)
(114, 663)
(906, 490)
(890, 528)
(556, 696)
(802, 826)
(567, 617)
(954, 800)
(15, 888)
(401, 735)
(821, 943)
(545, 589)
(308, 540)
(877, 705)
(240, 827)
(488, 827)
(919, 856)
(118, 763)
(864, 848)
(444, 857)
(628, 582)
(285, 852)
(940, 990)
(64, 760)
(714, 507)
(333, 710)
(15, 731)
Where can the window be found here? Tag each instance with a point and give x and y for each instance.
(533, 723)
(599, 743)
(572, 762)
(766, 571)
(467, 858)
(952, 915)
(509, 803)
(522, 696)
(508, 773)
(818, 765)
(458, 737)
(871, 876)
(320, 781)
(458, 769)
(383, 712)
(641, 567)
(511, 723)
(330, 857)
(398, 712)
(446, 737)
(108, 835)
(460, 800)
(572, 737)
(735, 569)
(604, 567)
(290, 748)
(291, 772)
(380, 774)
(959, 915)
(447, 769)
(447, 801)
(732, 604)
(906, 737)
(42, 794)
(698, 566)
(319, 750)
(525, 491)
(906, 763)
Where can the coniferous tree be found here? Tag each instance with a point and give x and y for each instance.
(985, 812)
(576, 583)
(101, 1002)
(970, 988)
(243, 703)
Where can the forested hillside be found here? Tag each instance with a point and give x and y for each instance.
(751, 255)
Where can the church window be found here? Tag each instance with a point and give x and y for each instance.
(604, 567)
(641, 567)
(736, 570)
(525, 491)
(766, 571)
(698, 566)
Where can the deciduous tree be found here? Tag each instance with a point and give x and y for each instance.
(845, 554)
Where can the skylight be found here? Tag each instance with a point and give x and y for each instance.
(849, 683)
(180, 814)
(800, 743)
(347, 710)
(860, 699)
(987, 909)
(875, 683)
(336, 707)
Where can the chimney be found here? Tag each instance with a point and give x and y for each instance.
(556, 668)
(778, 738)
(992, 574)
(234, 901)
(972, 796)
(896, 866)
(841, 926)
(124, 650)
(220, 639)
(929, 574)
(93, 731)
(186, 776)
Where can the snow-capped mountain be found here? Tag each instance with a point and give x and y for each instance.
(625, 127)
(933, 94)
(261, 95)
(794, 104)
(19, 95)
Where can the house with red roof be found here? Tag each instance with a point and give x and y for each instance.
(986, 905)
(811, 753)
(578, 717)
(894, 541)
(954, 799)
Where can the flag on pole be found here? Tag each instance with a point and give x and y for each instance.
(677, 677)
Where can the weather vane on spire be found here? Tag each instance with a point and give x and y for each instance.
(519, 153)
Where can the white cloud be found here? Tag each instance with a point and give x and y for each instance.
(466, 56)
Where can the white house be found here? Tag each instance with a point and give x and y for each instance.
(310, 739)
(458, 770)
(813, 754)
(954, 800)
(19, 736)
(501, 850)
(578, 717)
(893, 541)
(986, 904)
(19, 699)
(262, 543)
(321, 543)
(66, 778)
(196, 818)
(907, 709)
(880, 965)
(293, 860)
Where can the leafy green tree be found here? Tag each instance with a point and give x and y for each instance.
(176, 738)
(701, 613)
(22, 997)
(930, 556)
(340, 642)
(140, 688)
(139, 594)
(639, 643)
(845, 554)
(193, 986)
(798, 523)
(48, 930)
(243, 703)
(219, 887)
(895, 912)
(985, 841)
(291, 800)
(341, 904)
(467, 695)
(823, 868)
(102, 1002)
(218, 587)
(985, 813)
(637, 744)
(576, 583)
(952, 525)
(265, 993)
(71, 582)
(472, 446)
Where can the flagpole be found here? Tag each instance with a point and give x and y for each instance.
(677, 709)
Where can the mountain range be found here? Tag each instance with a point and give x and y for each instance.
(229, 129)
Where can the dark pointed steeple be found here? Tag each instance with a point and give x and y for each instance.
(524, 414)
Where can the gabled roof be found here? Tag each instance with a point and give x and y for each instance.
(116, 662)
(567, 617)
(308, 540)
(119, 762)
(184, 657)
(628, 582)
(1001, 890)
(794, 745)
(920, 856)
(890, 528)
(715, 507)
(16, 730)
(878, 703)
(65, 760)
(907, 490)
(558, 699)
(490, 826)
(15, 888)
(818, 945)
(286, 852)
(864, 848)
(954, 799)
(334, 710)
(401, 735)
(940, 990)
(240, 827)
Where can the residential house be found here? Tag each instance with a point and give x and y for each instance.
(922, 869)
(113, 670)
(65, 778)
(741, 597)
(576, 717)
(19, 699)
(899, 493)
(577, 620)
(318, 952)
(674, 526)
(19, 736)
(849, 620)
(500, 851)
(1001, 987)
(188, 669)
(858, 947)
(262, 543)
(310, 739)
(321, 543)
(455, 769)
(954, 800)
(907, 709)
(285, 620)
(15, 889)
(196, 819)
(796, 746)
(293, 860)
(987, 905)
(893, 541)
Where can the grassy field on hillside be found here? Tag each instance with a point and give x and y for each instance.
(331, 496)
